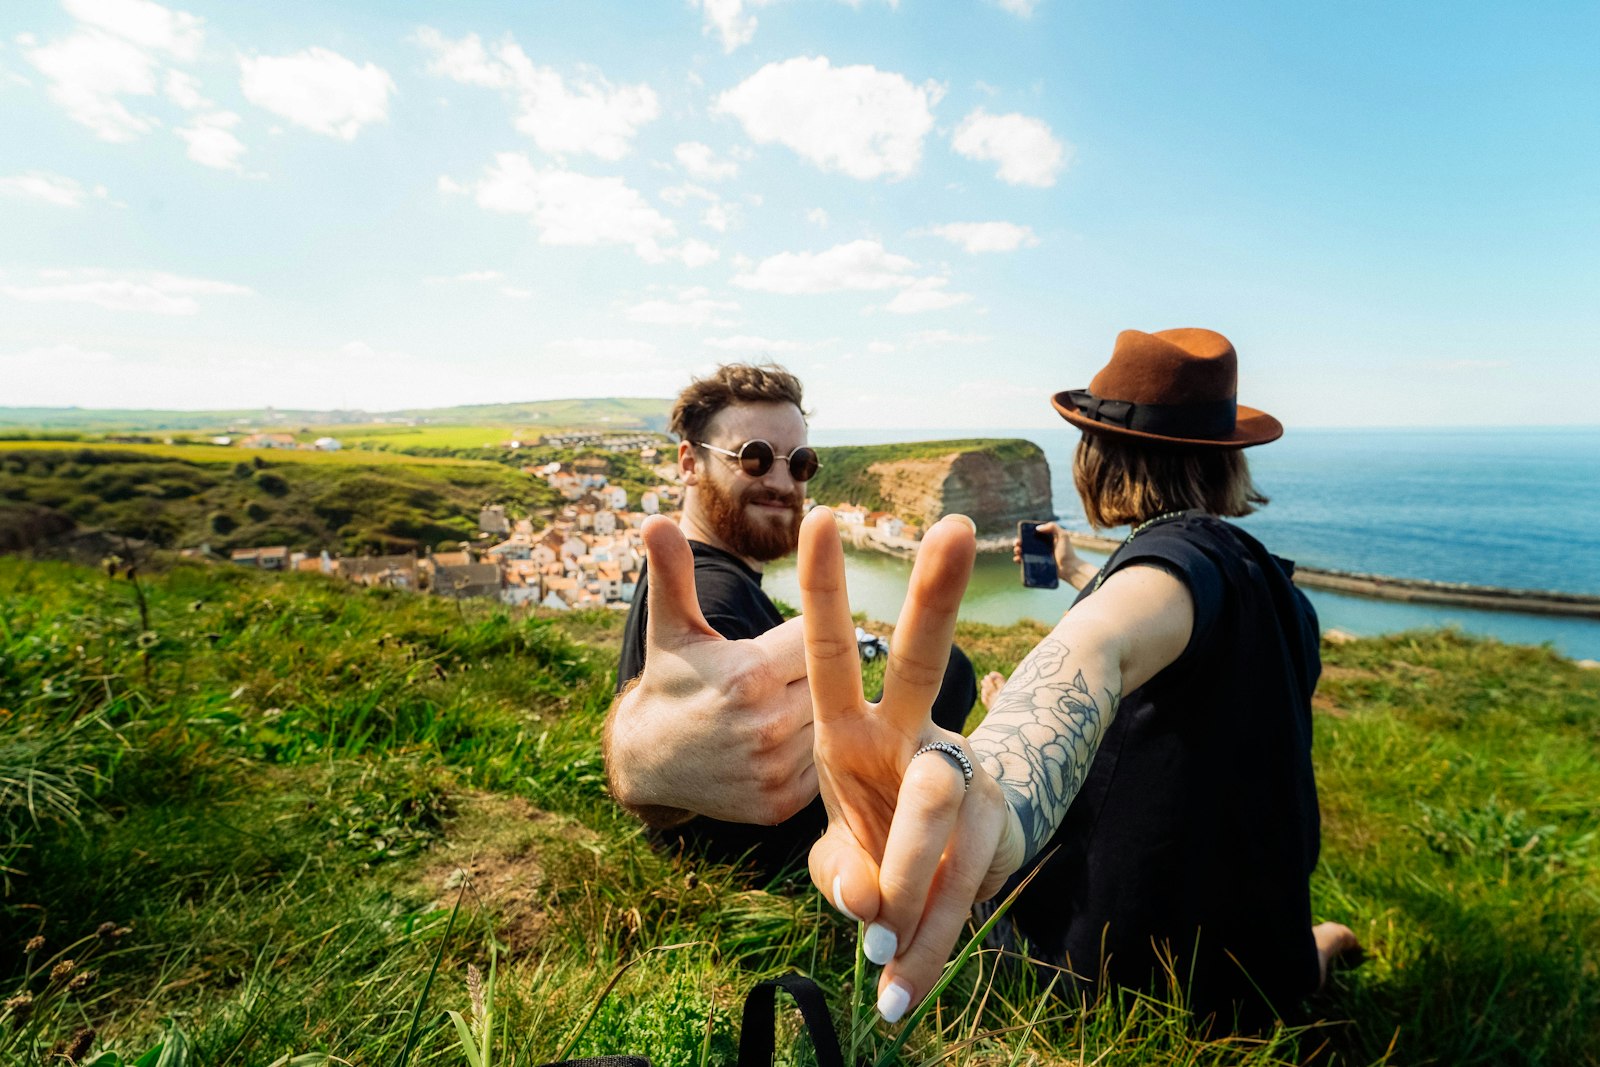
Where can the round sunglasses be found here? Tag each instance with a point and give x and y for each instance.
(755, 457)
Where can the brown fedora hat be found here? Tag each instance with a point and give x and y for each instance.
(1175, 387)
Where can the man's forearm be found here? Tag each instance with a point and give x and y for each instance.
(1041, 735)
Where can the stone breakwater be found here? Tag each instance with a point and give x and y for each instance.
(1418, 590)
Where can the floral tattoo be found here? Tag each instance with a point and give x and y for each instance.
(1040, 737)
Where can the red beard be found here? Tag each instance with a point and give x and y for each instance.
(758, 540)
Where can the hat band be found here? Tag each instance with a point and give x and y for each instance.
(1211, 419)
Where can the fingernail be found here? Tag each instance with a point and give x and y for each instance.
(838, 901)
(962, 518)
(880, 944)
(893, 1001)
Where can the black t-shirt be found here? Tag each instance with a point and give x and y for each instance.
(734, 604)
(1197, 827)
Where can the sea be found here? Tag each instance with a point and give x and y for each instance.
(1516, 508)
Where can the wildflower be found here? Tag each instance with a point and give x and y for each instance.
(20, 1005)
(475, 991)
(35, 943)
(148, 639)
(61, 970)
(81, 979)
(75, 1047)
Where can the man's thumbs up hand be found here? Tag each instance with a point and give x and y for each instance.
(712, 727)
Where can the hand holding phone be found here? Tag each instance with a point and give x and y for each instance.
(1037, 552)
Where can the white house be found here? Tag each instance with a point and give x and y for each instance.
(650, 503)
(615, 497)
(850, 515)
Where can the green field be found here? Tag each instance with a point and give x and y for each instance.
(246, 817)
(186, 496)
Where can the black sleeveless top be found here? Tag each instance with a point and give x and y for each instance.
(1189, 849)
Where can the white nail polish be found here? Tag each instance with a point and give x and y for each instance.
(893, 1001)
(880, 944)
(838, 901)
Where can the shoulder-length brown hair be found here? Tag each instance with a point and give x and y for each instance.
(1123, 484)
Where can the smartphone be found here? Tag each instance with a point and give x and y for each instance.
(1038, 558)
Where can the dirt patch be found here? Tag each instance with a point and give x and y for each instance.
(495, 850)
(1347, 674)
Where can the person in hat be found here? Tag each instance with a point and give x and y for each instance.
(1148, 763)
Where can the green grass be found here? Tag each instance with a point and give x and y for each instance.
(187, 496)
(276, 792)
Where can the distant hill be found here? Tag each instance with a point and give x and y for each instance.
(620, 413)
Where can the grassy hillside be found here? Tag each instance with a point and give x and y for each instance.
(177, 496)
(248, 816)
(844, 476)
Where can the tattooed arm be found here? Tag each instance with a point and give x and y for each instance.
(1041, 735)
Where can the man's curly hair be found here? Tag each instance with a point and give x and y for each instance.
(731, 383)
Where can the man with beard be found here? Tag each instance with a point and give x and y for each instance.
(732, 786)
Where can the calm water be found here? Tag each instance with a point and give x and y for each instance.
(1509, 508)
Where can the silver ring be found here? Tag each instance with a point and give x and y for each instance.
(955, 753)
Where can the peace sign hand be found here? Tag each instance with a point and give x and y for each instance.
(909, 847)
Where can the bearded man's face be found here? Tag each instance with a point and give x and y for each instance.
(756, 517)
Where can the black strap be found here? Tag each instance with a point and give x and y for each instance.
(1210, 419)
(758, 1029)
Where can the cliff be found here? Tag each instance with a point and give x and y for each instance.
(996, 482)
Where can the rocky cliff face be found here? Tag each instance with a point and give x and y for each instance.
(995, 493)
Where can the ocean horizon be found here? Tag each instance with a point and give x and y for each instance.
(1515, 508)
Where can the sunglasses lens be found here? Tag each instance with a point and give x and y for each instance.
(755, 458)
(803, 463)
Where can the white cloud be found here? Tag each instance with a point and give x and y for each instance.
(817, 217)
(589, 115)
(51, 188)
(318, 89)
(692, 307)
(746, 343)
(726, 18)
(859, 265)
(465, 61)
(142, 23)
(210, 142)
(717, 217)
(978, 237)
(89, 71)
(568, 208)
(702, 163)
(1020, 8)
(856, 120)
(157, 293)
(515, 293)
(183, 89)
(925, 294)
(693, 253)
(880, 348)
(1028, 153)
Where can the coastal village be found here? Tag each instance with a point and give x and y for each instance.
(586, 553)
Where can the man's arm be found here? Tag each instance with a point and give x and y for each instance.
(712, 727)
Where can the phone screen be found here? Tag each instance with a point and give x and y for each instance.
(1038, 558)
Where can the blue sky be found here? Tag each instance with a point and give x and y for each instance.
(936, 213)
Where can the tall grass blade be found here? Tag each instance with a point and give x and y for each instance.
(416, 1012)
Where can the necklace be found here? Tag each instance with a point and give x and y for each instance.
(1135, 532)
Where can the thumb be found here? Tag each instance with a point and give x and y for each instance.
(844, 873)
(1049, 529)
(674, 609)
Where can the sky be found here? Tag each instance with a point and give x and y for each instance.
(936, 213)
